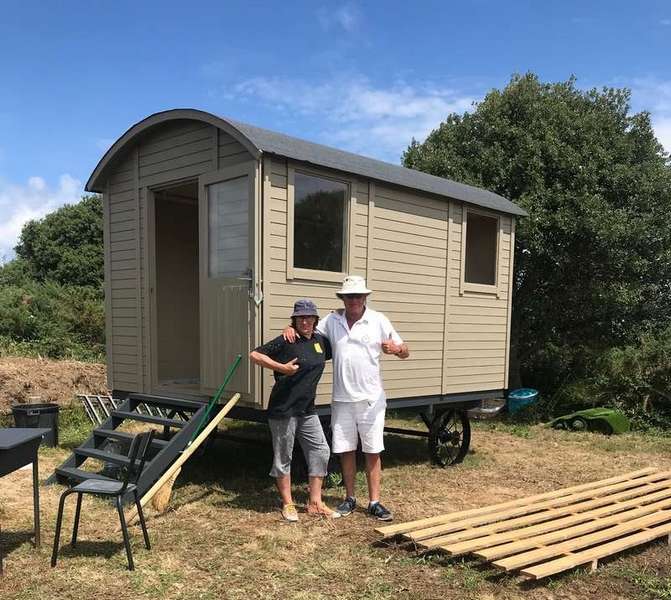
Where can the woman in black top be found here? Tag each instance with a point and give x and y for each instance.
(291, 412)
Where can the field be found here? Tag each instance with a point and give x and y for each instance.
(222, 536)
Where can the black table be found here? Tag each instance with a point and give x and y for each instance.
(18, 447)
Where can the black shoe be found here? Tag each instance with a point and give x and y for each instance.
(346, 507)
(379, 512)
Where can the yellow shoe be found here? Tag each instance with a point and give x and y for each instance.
(289, 513)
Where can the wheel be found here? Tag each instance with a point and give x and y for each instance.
(578, 424)
(449, 437)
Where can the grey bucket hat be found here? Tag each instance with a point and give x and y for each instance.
(305, 308)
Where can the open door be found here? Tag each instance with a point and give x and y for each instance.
(227, 258)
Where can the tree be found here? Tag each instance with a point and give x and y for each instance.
(67, 245)
(593, 260)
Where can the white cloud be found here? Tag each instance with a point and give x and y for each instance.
(348, 17)
(665, 22)
(356, 115)
(654, 95)
(19, 203)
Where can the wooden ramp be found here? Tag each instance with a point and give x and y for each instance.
(549, 533)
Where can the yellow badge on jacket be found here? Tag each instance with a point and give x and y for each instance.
(318, 348)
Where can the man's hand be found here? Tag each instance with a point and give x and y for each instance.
(390, 347)
(290, 367)
(289, 334)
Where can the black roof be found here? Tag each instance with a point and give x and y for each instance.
(324, 156)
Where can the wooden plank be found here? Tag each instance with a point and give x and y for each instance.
(567, 533)
(400, 528)
(545, 552)
(531, 507)
(594, 554)
(491, 539)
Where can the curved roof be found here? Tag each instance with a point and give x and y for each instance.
(262, 141)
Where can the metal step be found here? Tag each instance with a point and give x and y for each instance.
(133, 416)
(79, 475)
(110, 457)
(124, 436)
(166, 402)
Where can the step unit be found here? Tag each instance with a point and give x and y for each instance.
(106, 444)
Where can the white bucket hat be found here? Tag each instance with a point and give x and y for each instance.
(353, 284)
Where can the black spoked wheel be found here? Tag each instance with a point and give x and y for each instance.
(449, 437)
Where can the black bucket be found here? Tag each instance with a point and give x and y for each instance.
(38, 415)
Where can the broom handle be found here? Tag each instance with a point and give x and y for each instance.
(186, 454)
(216, 397)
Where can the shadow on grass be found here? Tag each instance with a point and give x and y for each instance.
(241, 469)
(11, 540)
(105, 549)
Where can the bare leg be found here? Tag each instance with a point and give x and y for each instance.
(315, 489)
(373, 476)
(348, 465)
(284, 488)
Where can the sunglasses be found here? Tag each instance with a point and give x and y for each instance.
(353, 296)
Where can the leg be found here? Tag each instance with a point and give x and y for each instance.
(348, 465)
(283, 432)
(283, 483)
(124, 530)
(316, 451)
(75, 527)
(59, 522)
(142, 521)
(373, 476)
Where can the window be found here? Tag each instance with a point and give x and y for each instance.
(481, 249)
(228, 227)
(319, 223)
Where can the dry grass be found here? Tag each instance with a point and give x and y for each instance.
(222, 536)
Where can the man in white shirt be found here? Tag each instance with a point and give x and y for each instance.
(358, 336)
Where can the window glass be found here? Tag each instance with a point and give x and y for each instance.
(228, 210)
(481, 236)
(319, 223)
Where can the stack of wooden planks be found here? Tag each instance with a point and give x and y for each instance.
(549, 533)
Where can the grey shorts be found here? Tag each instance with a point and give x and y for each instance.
(310, 434)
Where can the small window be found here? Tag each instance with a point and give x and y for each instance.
(481, 247)
(319, 223)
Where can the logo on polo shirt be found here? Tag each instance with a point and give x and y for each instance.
(318, 348)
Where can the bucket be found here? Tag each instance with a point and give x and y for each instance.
(518, 399)
(38, 415)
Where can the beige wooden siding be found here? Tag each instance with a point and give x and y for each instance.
(182, 149)
(477, 323)
(407, 276)
(280, 293)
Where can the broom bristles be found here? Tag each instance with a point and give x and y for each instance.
(161, 499)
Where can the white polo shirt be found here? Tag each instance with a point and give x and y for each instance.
(356, 354)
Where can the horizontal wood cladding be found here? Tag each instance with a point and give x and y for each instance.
(477, 322)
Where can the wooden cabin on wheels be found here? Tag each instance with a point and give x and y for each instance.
(213, 228)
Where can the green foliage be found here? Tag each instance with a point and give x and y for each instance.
(593, 260)
(67, 245)
(51, 298)
(52, 320)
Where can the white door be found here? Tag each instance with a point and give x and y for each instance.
(227, 310)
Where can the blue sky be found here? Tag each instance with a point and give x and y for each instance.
(362, 76)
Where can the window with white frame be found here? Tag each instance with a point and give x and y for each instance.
(482, 234)
(319, 223)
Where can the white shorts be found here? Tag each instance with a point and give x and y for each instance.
(351, 420)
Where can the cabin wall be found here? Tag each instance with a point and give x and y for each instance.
(458, 339)
(478, 324)
(174, 151)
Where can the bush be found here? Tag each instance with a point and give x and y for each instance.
(52, 320)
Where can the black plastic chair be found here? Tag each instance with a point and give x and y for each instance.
(111, 489)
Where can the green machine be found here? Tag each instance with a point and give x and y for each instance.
(603, 420)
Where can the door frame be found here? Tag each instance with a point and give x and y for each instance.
(251, 169)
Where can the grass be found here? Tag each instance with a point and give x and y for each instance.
(222, 536)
